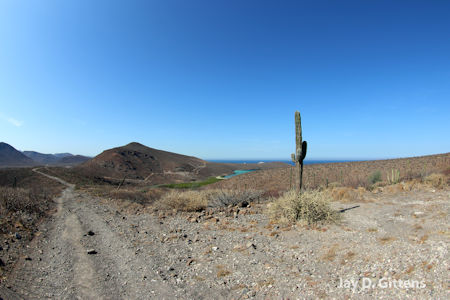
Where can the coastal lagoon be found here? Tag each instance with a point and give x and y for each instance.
(238, 172)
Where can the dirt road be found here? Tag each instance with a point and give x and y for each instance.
(69, 263)
(94, 249)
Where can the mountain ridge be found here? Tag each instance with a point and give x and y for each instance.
(11, 157)
(137, 161)
(56, 159)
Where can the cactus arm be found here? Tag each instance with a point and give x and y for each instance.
(304, 147)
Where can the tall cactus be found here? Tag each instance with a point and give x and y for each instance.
(300, 148)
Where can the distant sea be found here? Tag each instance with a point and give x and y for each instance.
(249, 161)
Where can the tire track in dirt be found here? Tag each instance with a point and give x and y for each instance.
(84, 274)
(61, 267)
(133, 276)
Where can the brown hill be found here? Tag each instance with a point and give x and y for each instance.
(10, 157)
(136, 161)
(139, 162)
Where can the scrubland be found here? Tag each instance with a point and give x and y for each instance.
(251, 236)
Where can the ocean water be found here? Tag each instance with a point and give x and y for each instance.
(251, 161)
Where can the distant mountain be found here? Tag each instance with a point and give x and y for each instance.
(10, 157)
(136, 161)
(41, 158)
(73, 159)
(56, 159)
(61, 155)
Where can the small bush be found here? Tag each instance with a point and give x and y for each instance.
(375, 177)
(310, 207)
(436, 180)
(222, 198)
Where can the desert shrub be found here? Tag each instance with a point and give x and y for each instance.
(222, 198)
(446, 172)
(26, 206)
(436, 180)
(12, 199)
(24, 200)
(184, 200)
(309, 207)
(197, 200)
(375, 177)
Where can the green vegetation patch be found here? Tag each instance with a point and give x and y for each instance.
(375, 177)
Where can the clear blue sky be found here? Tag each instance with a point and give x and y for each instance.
(222, 79)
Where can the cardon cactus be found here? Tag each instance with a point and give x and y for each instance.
(300, 148)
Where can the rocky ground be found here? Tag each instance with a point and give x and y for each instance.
(93, 249)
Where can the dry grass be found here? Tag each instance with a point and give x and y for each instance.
(410, 269)
(423, 239)
(386, 239)
(417, 227)
(330, 255)
(346, 194)
(310, 207)
(347, 257)
(435, 180)
(394, 189)
(222, 271)
(184, 200)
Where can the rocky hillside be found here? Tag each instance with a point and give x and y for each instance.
(10, 157)
(136, 161)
